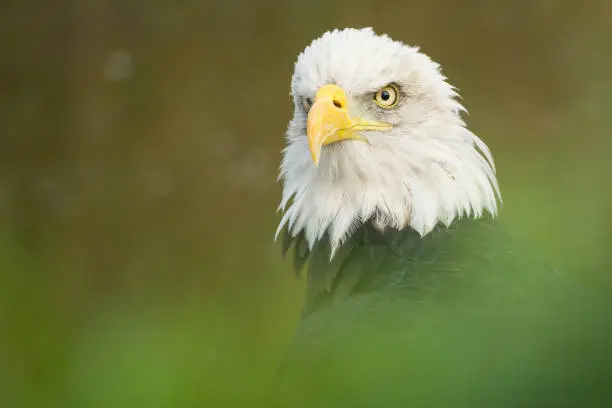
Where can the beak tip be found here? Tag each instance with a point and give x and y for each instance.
(315, 152)
(315, 160)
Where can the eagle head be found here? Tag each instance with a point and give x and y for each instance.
(376, 136)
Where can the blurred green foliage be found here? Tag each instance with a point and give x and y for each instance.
(139, 151)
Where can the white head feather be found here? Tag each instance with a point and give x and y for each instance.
(428, 169)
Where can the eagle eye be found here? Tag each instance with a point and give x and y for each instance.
(307, 103)
(387, 97)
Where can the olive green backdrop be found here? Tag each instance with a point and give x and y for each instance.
(139, 148)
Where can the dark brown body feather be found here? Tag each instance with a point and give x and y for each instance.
(398, 263)
(396, 317)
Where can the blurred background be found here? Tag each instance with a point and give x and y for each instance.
(139, 148)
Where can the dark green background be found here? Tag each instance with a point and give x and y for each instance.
(137, 213)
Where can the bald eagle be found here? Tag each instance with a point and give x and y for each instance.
(392, 203)
(377, 155)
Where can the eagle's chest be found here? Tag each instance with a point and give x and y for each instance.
(396, 263)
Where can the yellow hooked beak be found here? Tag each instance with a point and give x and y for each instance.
(329, 121)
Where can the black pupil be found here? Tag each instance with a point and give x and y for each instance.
(384, 95)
